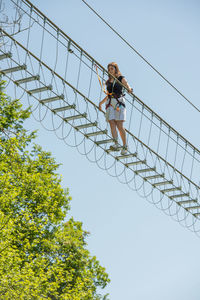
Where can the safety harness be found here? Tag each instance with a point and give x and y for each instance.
(110, 95)
(118, 104)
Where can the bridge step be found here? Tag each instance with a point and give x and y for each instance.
(104, 142)
(137, 162)
(114, 149)
(126, 156)
(28, 79)
(196, 214)
(187, 201)
(14, 69)
(179, 195)
(145, 170)
(162, 183)
(47, 100)
(192, 207)
(39, 90)
(171, 189)
(5, 55)
(68, 107)
(87, 125)
(75, 117)
(96, 133)
(153, 176)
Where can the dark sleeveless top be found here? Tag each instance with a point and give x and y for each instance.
(114, 87)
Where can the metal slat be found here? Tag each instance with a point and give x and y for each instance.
(192, 207)
(126, 156)
(137, 162)
(68, 107)
(75, 117)
(162, 183)
(87, 125)
(28, 79)
(14, 69)
(104, 141)
(47, 100)
(5, 55)
(153, 176)
(39, 90)
(114, 150)
(171, 189)
(145, 170)
(186, 201)
(196, 214)
(179, 196)
(96, 133)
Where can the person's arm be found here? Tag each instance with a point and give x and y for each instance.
(125, 83)
(102, 102)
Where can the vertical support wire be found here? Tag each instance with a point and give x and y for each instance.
(22, 72)
(191, 171)
(100, 96)
(182, 165)
(140, 127)
(158, 145)
(42, 42)
(129, 126)
(89, 90)
(197, 193)
(174, 164)
(90, 83)
(8, 61)
(15, 18)
(193, 157)
(166, 153)
(66, 68)
(98, 112)
(64, 92)
(29, 29)
(148, 141)
(55, 65)
(78, 77)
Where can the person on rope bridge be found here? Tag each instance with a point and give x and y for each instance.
(115, 106)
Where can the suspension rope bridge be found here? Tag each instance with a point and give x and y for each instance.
(61, 87)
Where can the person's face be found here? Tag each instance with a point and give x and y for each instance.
(111, 70)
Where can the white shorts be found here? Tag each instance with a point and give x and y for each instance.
(113, 114)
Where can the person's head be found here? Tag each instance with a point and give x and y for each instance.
(113, 69)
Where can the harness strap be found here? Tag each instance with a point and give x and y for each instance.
(102, 86)
(119, 103)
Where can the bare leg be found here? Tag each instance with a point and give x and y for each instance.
(122, 131)
(113, 129)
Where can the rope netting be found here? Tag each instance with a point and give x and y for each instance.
(58, 80)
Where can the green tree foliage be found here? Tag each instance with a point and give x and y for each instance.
(42, 256)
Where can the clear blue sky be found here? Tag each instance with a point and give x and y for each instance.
(147, 254)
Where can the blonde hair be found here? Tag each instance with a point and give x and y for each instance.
(117, 71)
